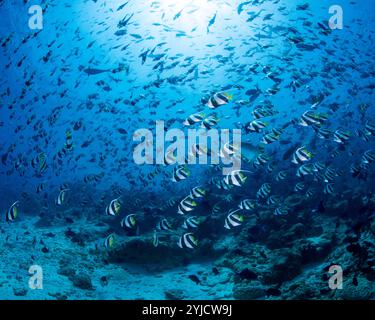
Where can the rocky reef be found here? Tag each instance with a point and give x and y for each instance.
(290, 258)
(269, 257)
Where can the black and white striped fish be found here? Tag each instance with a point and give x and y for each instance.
(198, 192)
(129, 222)
(180, 173)
(164, 225)
(61, 197)
(328, 188)
(247, 204)
(188, 240)
(264, 191)
(233, 220)
(301, 155)
(235, 178)
(114, 208)
(191, 222)
(219, 99)
(12, 212)
(194, 118)
(186, 205)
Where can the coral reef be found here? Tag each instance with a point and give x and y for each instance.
(268, 258)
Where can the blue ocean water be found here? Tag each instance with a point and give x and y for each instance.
(75, 202)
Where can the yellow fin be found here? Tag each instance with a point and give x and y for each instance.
(229, 96)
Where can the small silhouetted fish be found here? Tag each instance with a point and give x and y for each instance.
(135, 35)
(284, 142)
(122, 6)
(215, 271)
(77, 125)
(45, 249)
(273, 292)
(253, 94)
(122, 131)
(302, 7)
(94, 71)
(86, 143)
(211, 22)
(120, 32)
(194, 278)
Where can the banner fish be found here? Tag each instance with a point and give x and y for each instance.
(12, 212)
